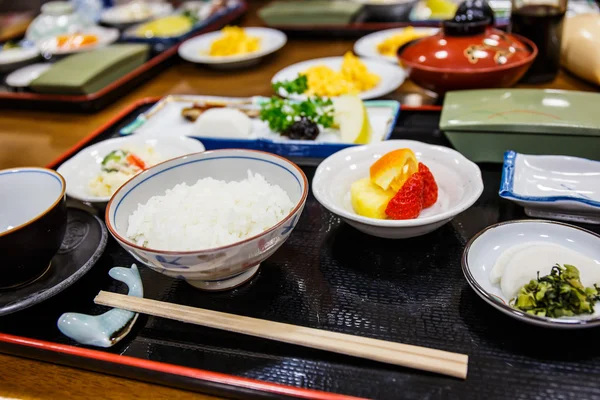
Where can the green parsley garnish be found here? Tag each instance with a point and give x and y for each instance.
(280, 114)
(297, 86)
(560, 294)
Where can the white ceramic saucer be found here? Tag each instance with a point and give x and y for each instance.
(392, 76)
(459, 182)
(196, 49)
(483, 250)
(80, 169)
(367, 45)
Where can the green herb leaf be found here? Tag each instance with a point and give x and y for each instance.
(280, 114)
(297, 86)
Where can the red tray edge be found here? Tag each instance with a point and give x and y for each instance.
(156, 366)
(131, 75)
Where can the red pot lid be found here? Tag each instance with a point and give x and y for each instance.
(456, 48)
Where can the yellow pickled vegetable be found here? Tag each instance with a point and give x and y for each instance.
(353, 78)
(234, 41)
(170, 26)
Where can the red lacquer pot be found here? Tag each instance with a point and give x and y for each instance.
(467, 55)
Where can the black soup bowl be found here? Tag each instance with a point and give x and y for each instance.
(33, 220)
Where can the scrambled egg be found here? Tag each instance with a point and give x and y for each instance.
(390, 46)
(170, 26)
(234, 41)
(353, 78)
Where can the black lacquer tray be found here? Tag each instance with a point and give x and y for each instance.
(162, 55)
(330, 276)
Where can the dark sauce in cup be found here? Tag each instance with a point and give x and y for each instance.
(543, 24)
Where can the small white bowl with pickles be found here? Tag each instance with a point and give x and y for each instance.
(459, 186)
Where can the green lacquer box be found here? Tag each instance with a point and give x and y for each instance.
(309, 12)
(483, 124)
(86, 73)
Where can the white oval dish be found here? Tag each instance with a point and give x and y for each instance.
(22, 77)
(105, 36)
(392, 76)
(556, 187)
(459, 182)
(196, 49)
(84, 166)
(125, 14)
(484, 249)
(218, 268)
(367, 45)
(11, 59)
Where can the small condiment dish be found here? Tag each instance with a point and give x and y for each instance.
(556, 187)
(197, 49)
(484, 249)
(459, 181)
(84, 166)
(222, 267)
(33, 219)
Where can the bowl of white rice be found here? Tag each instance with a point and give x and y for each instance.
(210, 218)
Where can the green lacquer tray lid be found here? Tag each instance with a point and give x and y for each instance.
(89, 71)
(543, 111)
(309, 12)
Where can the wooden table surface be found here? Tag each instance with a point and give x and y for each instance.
(35, 138)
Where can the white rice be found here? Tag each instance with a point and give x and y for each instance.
(208, 214)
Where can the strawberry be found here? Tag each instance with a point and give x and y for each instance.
(430, 192)
(408, 202)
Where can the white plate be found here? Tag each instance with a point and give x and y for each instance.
(556, 187)
(367, 45)
(459, 186)
(80, 169)
(165, 119)
(105, 36)
(391, 76)
(17, 55)
(482, 252)
(24, 76)
(122, 14)
(196, 49)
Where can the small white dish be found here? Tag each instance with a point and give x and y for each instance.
(134, 12)
(84, 166)
(392, 76)
(105, 36)
(367, 45)
(219, 268)
(459, 186)
(11, 59)
(22, 77)
(196, 49)
(483, 250)
(555, 187)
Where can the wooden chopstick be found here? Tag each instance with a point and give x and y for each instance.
(405, 355)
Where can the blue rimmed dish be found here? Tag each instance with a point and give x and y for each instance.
(556, 187)
(219, 268)
(164, 118)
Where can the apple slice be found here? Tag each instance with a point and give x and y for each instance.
(393, 169)
(350, 114)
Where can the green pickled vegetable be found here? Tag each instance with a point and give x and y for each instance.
(559, 294)
(116, 156)
(297, 86)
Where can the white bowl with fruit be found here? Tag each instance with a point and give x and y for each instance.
(397, 188)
